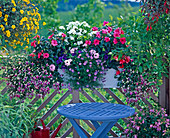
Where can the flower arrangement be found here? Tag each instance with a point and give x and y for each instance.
(84, 53)
(149, 122)
(18, 20)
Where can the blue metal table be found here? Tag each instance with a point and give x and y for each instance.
(107, 113)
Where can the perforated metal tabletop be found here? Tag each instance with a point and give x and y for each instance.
(96, 111)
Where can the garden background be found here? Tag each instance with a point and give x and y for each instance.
(148, 37)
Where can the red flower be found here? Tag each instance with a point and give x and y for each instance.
(63, 35)
(39, 55)
(88, 42)
(123, 40)
(122, 66)
(116, 58)
(117, 72)
(122, 61)
(33, 43)
(167, 10)
(115, 41)
(37, 36)
(122, 32)
(147, 28)
(45, 55)
(96, 42)
(127, 59)
(50, 36)
(32, 55)
(109, 29)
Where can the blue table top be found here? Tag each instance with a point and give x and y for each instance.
(96, 111)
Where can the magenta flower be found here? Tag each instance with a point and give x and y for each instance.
(50, 36)
(104, 31)
(105, 22)
(116, 34)
(52, 67)
(123, 40)
(96, 55)
(106, 39)
(54, 42)
(45, 55)
(37, 36)
(115, 41)
(95, 28)
(109, 29)
(63, 35)
(88, 42)
(96, 42)
(98, 34)
(33, 43)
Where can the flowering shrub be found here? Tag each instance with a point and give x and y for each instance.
(27, 79)
(84, 53)
(18, 20)
(149, 122)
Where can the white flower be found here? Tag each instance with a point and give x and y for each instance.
(59, 34)
(84, 31)
(79, 33)
(62, 27)
(79, 42)
(72, 31)
(71, 37)
(72, 51)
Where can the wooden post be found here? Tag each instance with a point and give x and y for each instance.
(75, 100)
(162, 94)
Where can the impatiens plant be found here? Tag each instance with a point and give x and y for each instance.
(18, 20)
(149, 122)
(84, 53)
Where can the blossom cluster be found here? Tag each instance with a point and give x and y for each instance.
(84, 53)
(149, 122)
(18, 20)
(26, 79)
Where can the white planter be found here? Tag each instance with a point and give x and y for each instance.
(110, 81)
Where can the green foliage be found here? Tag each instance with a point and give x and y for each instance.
(15, 119)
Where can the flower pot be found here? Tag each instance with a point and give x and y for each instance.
(108, 81)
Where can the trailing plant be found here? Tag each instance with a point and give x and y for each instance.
(27, 78)
(149, 122)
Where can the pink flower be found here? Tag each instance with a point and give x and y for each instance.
(95, 28)
(67, 62)
(123, 40)
(159, 128)
(63, 35)
(122, 32)
(104, 31)
(115, 41)
(54, 42)
(96, 42)
(33, 43)
(109, 29)
(105, 22)
(45, 55)
(39, 55)
(118, 30)
(116, 34)
(50, 36)
(151, 126)
(106, 39)
(52, 67)
(37, 36)
(98, 34)
(96, 55)
(88, 42)
(92, 51)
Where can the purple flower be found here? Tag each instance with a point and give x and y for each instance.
(89, 75)
(87, 70)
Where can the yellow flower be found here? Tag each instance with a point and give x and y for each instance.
(26, 47)
(16, 34)
(13, 27)
(6, 40)
(13, 2)
(6, 23)
(3, 28)
(27, 1)
(5, 19)
(21, 11)
(6, 16)
(0, 14)
(14, 47)
(22, 44)
(13, 9)
(44, 23)
(4, 9)
(8, 33)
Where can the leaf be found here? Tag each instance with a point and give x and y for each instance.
(140, 69)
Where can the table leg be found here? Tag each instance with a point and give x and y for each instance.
(77, 128)
(102, 130)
